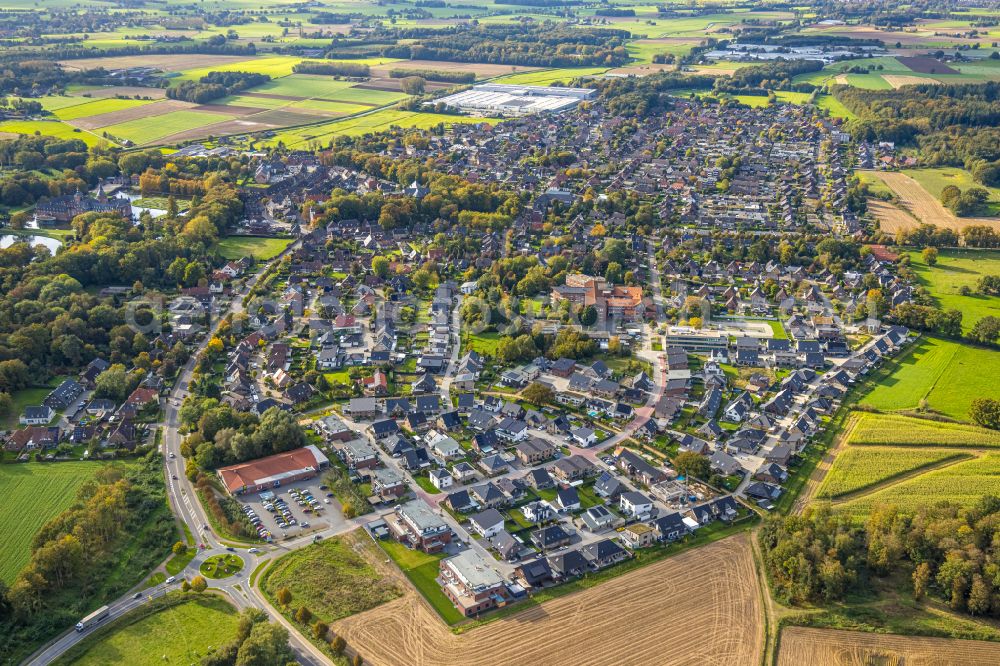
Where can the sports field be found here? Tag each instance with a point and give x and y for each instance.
(33, 494)
(181, 634)
(957, 269)
(948, 375)
(237, 247)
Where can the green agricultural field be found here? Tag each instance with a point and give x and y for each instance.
(275, 66)
(833, 105)
(97, 107)
(369, 123)
(954, 270)
(948, 375)
(181, 634)
(237, 247)
(147, 130)
(342, 108)
(899, 430)
(333, 578)
(858, 468)
(963, 483)
(54, 128)
(875, 184)
(33, 494)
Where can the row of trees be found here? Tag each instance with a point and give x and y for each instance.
(215, 85)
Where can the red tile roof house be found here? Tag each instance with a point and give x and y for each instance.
(33, 437)
(142, 397)
(273, 471)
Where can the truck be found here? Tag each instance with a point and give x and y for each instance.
(92, 619)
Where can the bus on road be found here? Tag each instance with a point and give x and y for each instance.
(93, 618)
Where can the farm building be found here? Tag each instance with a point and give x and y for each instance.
(272, 471)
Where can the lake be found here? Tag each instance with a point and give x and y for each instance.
(53, 244)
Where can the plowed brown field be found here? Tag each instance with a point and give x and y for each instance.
(830, 647)
(700, 607)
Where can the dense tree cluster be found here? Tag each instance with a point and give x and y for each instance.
(947, 551)
(222, 436)
(332, 68)
(215, 85)
(774, 75)
(544, 44)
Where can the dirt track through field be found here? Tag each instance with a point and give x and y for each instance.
(830, 647)
(700, 607)
(925, 207)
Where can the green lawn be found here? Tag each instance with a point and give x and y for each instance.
(948, 375)
(33, 494)
(237, 247)
(181, 634)
(422, 570)
(334, 578)
(484, 343)
(956, 269)
(221, 566)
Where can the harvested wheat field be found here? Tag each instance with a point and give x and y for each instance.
(168, 62)
(925, 207)
(891, 219)
(700, 607)
(831, 647)
(900, 80)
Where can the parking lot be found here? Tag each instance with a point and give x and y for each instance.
(290, 510)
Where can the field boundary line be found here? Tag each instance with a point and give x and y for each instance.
(895, 479)
(826, 462)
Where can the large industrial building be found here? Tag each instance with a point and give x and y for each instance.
(512, 100)
(273, 471)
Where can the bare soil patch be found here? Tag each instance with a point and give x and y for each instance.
(482, 70)
(231, 110)
(900, 80)
(136, 112)
(925, 207)
(168, 62)
(831, 647)
(124, 91)
(705, 603)
(926, 65)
